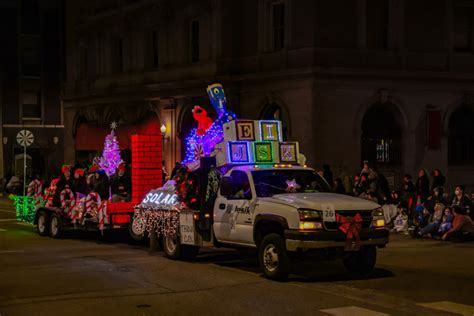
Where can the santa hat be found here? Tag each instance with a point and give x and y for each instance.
(79, 172)
(65, 168)
(54, 182)
(93, 168)
(121, 167)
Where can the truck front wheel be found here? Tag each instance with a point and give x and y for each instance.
(175, 250)
(361, 262)
(273, 258)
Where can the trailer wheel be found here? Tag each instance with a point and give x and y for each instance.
(361, 262)
(174, 250)
(42, 224)
(55, 226)
(274, 260)
(136, 230)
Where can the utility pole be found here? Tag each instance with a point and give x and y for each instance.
(2, 174)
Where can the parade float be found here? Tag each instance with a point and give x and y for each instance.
(54, 212)
(242, 185)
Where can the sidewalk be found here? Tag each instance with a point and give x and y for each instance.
(6, 203)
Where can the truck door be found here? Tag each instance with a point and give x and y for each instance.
(233, 215)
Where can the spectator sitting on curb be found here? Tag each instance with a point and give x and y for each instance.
(400, 223)
(433, 222)
(463, 228)
(446, 222)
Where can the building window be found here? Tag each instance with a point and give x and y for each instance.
(31, 105)
(381, 136)
(278, 26)
(377, 24)
(155, 48)
(461, 136)
(463, 28)
(194, 41)
(30, 56)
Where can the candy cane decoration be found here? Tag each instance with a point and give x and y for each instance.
(67, 204)
(78, 209)
(92, 205)
(35, 189)
(102, 215)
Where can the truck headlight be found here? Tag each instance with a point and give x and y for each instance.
(378, 220)
(309, 215)
(310, 219)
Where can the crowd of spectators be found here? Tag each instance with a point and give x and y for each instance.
(421, 207)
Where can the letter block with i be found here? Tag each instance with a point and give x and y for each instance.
(270, 131)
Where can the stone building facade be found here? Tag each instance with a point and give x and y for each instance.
(352, 80)
(31, 72)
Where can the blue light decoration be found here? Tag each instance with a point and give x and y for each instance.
(239, 152)
(203, 145)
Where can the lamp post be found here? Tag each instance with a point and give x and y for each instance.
(163, 134)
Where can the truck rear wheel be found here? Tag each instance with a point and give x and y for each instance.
(42, 224)
(175, 250)
(273, 258)
(55, 226)
(361, 262)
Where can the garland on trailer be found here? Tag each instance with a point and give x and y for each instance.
(213, 181)
(156, 220)
(186, 188)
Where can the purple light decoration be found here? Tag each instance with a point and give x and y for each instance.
(111, 155)
(208, 141)
(198, 145)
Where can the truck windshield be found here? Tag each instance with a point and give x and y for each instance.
(271, 182)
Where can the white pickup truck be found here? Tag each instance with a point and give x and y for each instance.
(280, 211)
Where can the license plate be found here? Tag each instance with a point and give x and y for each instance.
(329, 213)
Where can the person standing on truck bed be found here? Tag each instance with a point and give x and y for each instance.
(65, 182)
(121, 185)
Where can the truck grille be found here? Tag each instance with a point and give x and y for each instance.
(366, 219)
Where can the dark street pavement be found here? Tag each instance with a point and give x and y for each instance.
(83, 274)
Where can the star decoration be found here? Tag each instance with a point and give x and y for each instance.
(114, 125)
(293, 186)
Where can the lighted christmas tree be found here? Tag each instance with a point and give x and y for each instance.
(111, 155)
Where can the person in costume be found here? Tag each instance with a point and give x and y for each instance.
(121, 185)
(79, 184)
(101, 184)
(65, 182)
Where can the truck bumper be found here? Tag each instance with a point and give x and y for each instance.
(301, 240)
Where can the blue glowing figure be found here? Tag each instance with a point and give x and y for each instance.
(200, 144)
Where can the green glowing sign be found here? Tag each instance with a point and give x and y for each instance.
(263, 152)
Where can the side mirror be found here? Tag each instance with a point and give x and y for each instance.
(227, 186)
